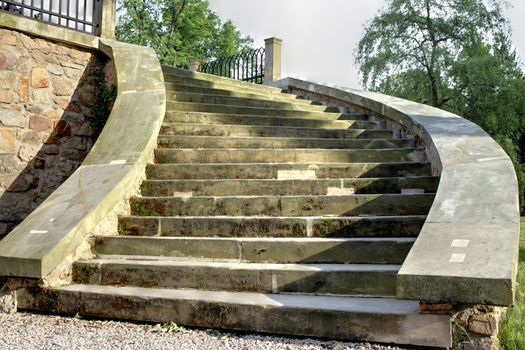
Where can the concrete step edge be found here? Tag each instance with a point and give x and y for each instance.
(172, 98)
(330, 316)
(328, 114)
(313, 240)
(245, 266)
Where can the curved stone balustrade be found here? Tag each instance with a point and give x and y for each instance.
(467, 251)
(112, 168)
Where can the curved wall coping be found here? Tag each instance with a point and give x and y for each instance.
(115, 163)
(467, 251)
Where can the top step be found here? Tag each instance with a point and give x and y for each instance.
(173, 74)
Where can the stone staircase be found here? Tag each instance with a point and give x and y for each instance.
(264, 212)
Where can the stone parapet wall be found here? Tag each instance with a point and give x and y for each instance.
(47, 93)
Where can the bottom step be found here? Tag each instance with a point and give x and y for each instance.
(381, 320)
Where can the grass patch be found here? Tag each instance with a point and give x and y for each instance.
(512, 332)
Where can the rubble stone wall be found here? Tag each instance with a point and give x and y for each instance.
(48, 91)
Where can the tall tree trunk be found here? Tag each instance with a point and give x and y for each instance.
(434, 87)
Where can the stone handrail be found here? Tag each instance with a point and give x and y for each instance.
(467, 251)
(116, 162)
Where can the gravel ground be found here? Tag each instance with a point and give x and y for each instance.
(30, 331)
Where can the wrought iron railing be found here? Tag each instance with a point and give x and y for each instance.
(246, 66)
(81, 15)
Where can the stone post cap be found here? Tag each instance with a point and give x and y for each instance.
(273, 40)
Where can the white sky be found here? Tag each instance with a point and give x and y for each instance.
(319, 36)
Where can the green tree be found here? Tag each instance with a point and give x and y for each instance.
(178, 30)
(424, 36)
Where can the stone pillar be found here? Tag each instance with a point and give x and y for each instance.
(194, 65)
(108, 18)
(272, 62)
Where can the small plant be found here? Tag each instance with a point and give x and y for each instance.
(105, 97)
(169, 327)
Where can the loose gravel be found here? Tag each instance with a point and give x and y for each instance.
(41, 332)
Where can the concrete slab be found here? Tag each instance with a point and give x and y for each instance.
(370, 319)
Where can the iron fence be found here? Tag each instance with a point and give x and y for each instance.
(81, 15)
(246, 66)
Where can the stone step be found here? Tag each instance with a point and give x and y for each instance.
(171, 80)
(336, 205)
(286, 170)
(343, 279)
(264, 226)
(174, 99)
(305, 121)
(174, 141)
(252, 94)
(174, 75)
(261, 250)
(246, 187)
(296, 155)
(257, 111)
(200, 129)
(385, 320)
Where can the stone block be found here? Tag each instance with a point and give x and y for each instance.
(15, 206)
(7, 79)
(19, 184)
(7, 60)
(62, 102)
(30, 137)
(8, 301)
(39, 78)
(8, 163)
(43, 46)
(87, 96)
(52, 114)
(26, 153)
(6, 96)
(82, 130)
(39, 163)
(8, 38)
(23, 89)
(51, 150)
(55, 69)
(74, 107)
(7, 140)
(12, 117)
(77, 143)
(39, 58)
(62, 128)
(62, 86)
(484, 324)
(40, 123)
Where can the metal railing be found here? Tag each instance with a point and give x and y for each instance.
(81, 15)
(246, 66)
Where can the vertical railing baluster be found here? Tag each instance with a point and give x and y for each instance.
(85, 16)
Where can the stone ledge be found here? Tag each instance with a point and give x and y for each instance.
(467, 251)
(54, 230)
(49, 31)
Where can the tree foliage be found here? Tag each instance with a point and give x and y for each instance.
(452, 54)
(179, 30)
(427, 35)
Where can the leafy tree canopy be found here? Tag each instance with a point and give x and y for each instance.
(179, 30)
(424, 35)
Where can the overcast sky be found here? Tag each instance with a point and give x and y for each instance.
(319, 36)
